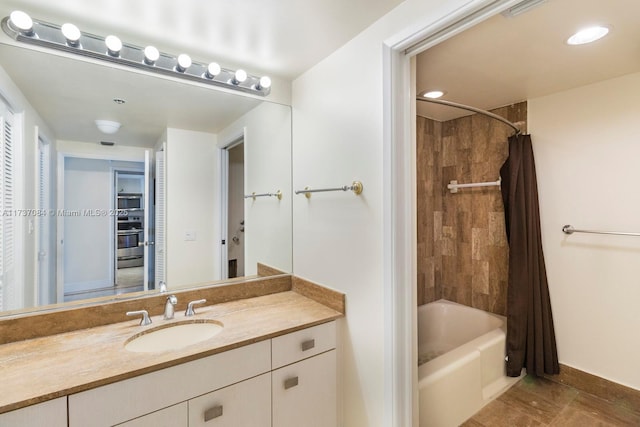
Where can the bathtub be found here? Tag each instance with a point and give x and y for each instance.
(461, 353)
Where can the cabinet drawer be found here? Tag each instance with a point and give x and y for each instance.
(304, 393)
(128, 399)
(247, 403)
(299, 345)
(173, 416)
(51, 414)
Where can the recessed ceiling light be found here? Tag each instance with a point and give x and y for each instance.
(433, 94)
(588, 35)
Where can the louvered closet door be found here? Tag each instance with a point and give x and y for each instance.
(9, 298)
(44, 224)
(160, 236)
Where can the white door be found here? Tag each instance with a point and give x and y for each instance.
(148, 244)
(160, 221)
(43, 225)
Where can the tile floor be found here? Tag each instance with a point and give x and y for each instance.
(542, 402)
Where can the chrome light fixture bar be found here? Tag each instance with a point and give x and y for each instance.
(20, 27)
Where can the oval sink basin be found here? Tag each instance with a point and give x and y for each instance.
(173, 336)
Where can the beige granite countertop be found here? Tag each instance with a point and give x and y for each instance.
(40, 369)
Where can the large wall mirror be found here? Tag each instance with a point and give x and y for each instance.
(166, 200)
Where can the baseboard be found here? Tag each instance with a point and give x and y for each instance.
(597, 386)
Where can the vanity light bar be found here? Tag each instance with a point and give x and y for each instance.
(111, 49)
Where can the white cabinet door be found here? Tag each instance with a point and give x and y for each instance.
(51, 414)
(245, 404)
(173, 416)
(304, 393)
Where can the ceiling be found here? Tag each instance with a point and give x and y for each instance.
(281, 38)
(506, 60)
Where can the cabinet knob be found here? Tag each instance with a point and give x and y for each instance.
(212, 413)
(308, 345)
(290, 382)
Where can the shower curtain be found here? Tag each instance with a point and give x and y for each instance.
(531, 339)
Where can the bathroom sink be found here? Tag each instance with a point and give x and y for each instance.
(173, 336)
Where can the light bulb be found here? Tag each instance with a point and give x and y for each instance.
(114, 45)
(151, 55)
(433, 94)
(71, 33)
(239, 77)
(265, 83)
(213, 70)
(588, 35)
(22, 22)
(184, 62)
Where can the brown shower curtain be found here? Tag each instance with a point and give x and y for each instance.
(531, 341)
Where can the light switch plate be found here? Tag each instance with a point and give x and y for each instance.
(189, 236)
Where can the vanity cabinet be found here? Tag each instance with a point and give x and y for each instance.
(303, 382)
(288, 380)
(52, 413)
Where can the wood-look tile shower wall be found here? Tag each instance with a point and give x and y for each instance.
(462, 247)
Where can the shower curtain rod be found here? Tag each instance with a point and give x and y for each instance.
(474, 109)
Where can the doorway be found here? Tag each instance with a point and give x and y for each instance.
(129, 224)
(235, 210)
(400, 203)
(89, 213)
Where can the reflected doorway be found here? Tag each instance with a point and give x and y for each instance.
(102, 209)
(234, 209)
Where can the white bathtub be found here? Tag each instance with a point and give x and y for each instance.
(462, 352)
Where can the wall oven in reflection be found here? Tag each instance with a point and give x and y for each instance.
(130, 248)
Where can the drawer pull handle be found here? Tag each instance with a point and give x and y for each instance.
(212, 413)
(290, 382)
(308, 345)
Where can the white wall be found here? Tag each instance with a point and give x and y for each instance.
(586, 148)
(193, 205)
(88, 185)
(33, 125)
(338, 238)
(267, 147)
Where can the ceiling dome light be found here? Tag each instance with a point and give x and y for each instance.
(114, 45)
(71, 33)
(22, 22)
(108, 126)
(151, 55)
(239, 77)
(184, 62)
(264, 83)
(213, 70)
(433, 94)
(588, 35)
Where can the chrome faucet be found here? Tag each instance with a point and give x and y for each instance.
(145, 316)
(190, 311)
(169, 307)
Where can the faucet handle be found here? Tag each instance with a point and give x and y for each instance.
(145, 316)
(190, 311)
